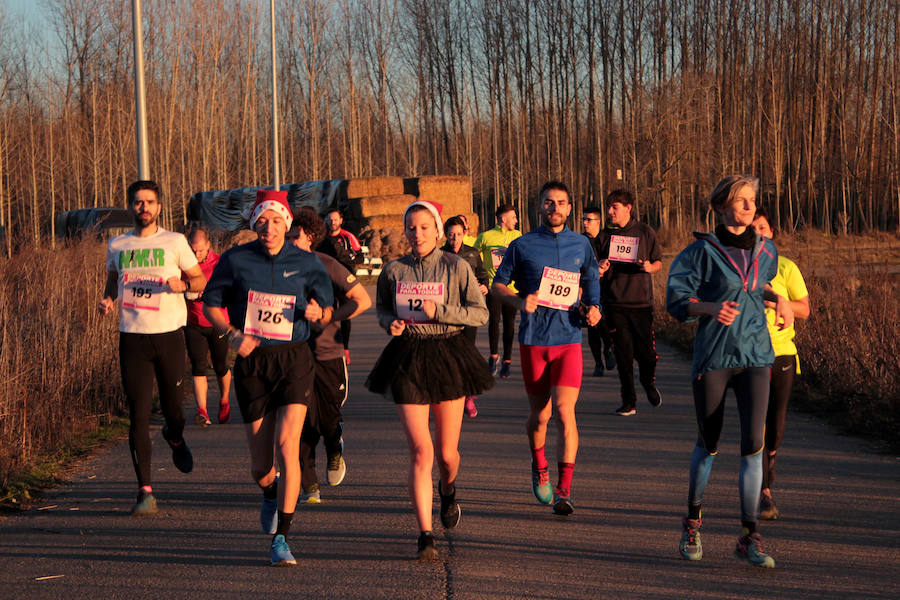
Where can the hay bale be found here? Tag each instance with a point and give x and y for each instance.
(374, 186)
(243, 236)
(381, 205)
(394, 245)
(434, 187)
(386, 222)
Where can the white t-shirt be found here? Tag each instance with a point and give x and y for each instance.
(144, 264)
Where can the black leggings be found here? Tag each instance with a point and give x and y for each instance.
(751, 388)
(779, 393)
(142, 358)
(598, 337)
(498, 310)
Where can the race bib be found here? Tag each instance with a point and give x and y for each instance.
(142, 292)
(270, 315)
(411, 296)
(623, 248)
(559, 289)
(497, 256)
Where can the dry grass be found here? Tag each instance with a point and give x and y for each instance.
(58, 358)
(849, 348)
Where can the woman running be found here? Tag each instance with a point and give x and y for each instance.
(455, 231)
(272, 291)
(721, 279)
(789, 284)
(424, 300)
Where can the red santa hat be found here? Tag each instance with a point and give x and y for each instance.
(433, 207)
(271, 200)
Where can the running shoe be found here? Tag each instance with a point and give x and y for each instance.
(224, 412)
(690, 546)
(540, 485)
(202, 418)
(310, 495)
(426, 550)
(268, 513)
(626, 411)
(504, 370)
(653, 395)
(494, 365)
(562, 502)
(145, 505)
(598, 370)
(609, 357)
(749, 549)
(767, 509)
(181, 454)
(337, 469)
(471, 409)
(450, 511)
(281, 553)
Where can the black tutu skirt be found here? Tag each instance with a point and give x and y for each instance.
(428, 369)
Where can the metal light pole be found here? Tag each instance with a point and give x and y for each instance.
(140, 115)
(276, 174)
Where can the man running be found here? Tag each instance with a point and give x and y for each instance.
(202, 342)
(492, 245)
(628, 255)
(144, 270)
(343, 246)
(551, 265)
(324, 419)
(599, 338)
(272, 291)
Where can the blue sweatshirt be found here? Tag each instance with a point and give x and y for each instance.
(291, 272)
(524, 263)
(706, 272)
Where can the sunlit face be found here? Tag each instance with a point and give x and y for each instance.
(740, 211)
(200, 247)
(271, 228)
(146, 208)
(591, 224)
(333, 222)
(619, 214)
(509, 220)
(555, 208)
(303, 240)
(762, 227)
(455, 237)
(421, 232)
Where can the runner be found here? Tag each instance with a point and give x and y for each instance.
(628, 255)
(492, 245)
(454, 230)
(324, 419)
(599, 338)
(424, 300)
(721, 280)
(789, 284)
(144, 270)
(551, 265)
(342, 245)
(201, 340)
(265, 285)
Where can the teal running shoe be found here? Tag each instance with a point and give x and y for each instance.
(749, 549)
(562, 503)
(280, 553)
(145, 505)
(540, 485)
(690, 546)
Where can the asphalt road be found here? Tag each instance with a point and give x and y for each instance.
(837, 537)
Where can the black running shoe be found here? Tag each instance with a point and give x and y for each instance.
(562, 502)
(426, 550)
(450, 511)
(625, 411)
(598, 370)
(181, 455)
(610, 358)
(504, 370)
(653, 395)
(494, 365)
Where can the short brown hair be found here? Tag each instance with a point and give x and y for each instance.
(311, 223)
(621, 196)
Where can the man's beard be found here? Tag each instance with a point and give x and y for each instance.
(140, 224)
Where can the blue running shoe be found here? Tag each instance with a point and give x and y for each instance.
(540, 485)
(281, 553)
(268, 513)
